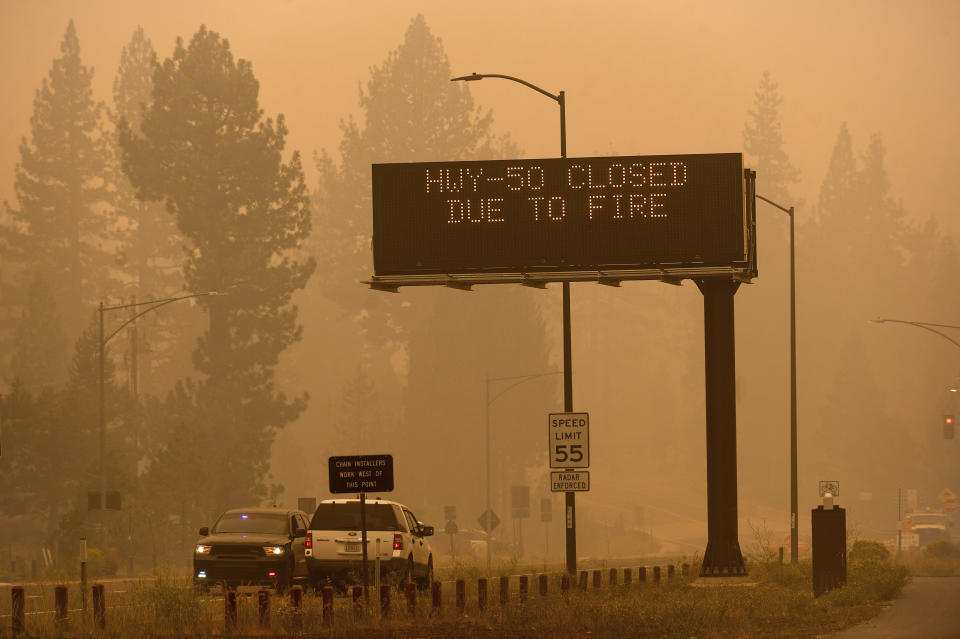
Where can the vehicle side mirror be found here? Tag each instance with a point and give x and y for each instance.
(426, 531)
(300, 532)
(204, 531)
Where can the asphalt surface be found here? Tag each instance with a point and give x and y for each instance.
(929, 608)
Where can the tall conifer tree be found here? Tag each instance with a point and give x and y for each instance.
(442, 344)
(39, 349)
(208, 153)
(62, 191)
(763, 143)
(153, 250)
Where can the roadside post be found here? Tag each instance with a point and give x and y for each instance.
(568, 445)
(546, 516)
(83, 574)
(362, 474)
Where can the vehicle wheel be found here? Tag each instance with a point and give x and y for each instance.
(316, 582)
(424, 582)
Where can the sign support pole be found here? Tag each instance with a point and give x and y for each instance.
(722, 557)
(570, 498)
(363, 544)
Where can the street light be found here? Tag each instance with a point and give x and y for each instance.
(794, 541)
(924, 325)
(570, 500)
(518, 379)
(151, 305)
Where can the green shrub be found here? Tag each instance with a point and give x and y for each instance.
(866, 550)
(942, 549)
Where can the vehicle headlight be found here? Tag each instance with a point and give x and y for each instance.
(274, 551)
(203, 549)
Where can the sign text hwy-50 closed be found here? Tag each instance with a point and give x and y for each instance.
(569, 440)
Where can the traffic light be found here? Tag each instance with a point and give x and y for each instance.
(948, 426)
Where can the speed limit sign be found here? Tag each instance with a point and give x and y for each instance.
(569, 440)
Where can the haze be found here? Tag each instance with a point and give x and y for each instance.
(640, 78)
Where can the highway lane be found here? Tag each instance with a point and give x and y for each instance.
(928, 608)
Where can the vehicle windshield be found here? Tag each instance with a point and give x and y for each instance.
(256, 523)
(347, 517)
(928, 520)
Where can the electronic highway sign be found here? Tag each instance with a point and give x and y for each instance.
(562, 215)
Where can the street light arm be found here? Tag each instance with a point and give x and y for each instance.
(924, 325)
(772, 203)
(479, 76)
(156, 304)
(522, 379)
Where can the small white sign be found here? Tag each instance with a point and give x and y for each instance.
(568, 481)
(569, 440)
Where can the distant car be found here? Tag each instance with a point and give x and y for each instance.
(334, 548)
(252, 546)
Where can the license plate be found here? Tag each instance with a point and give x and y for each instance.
(352, 548)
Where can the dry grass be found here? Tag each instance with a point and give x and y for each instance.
(780, 605)
(940, 559)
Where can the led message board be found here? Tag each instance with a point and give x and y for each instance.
(560, 214)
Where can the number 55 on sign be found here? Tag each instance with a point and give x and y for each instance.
(569, 440)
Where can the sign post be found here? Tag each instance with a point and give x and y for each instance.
(568, 444)
(601, 219)
(363, 474)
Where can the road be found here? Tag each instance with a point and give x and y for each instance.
(929, 608)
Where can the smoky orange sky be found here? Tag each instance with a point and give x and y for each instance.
(640, 77)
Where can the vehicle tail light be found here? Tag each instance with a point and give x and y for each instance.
(397, 541)
(272, 574)
(308, 543)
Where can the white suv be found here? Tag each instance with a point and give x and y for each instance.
(334, 549)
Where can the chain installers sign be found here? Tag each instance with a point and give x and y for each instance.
(559, 214)
(361, 474)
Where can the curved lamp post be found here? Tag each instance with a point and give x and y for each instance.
(928, 326)
(151, 305)
(794, 539)
(570, 502)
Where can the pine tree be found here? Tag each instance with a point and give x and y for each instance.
(411, 112)
(54, 432)
(440, 344)
(62, 192)
(837, 197)
(209, 154)
(763, 144)
(39, 352)
(763, 308)
(153, 251)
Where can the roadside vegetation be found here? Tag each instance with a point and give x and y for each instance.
(939, 559)
(777, 603)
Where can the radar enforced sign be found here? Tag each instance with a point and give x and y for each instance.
(570, 481)
(361, 474)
